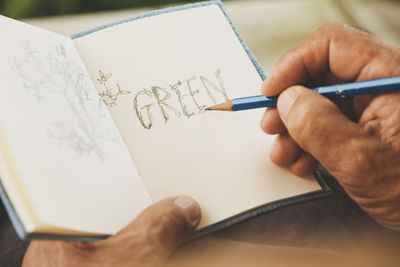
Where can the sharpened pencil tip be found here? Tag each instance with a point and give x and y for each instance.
(227, 106)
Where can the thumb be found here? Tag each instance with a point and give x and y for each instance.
(163, 226)
(317, 125)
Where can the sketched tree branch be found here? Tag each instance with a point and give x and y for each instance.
(108, 94)
(51, 76)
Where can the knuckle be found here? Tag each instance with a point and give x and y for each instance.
(174, 216)
(169, 223)
(289, 55)
(360, 161)
(135, 240)
(331, 27)
(356, 170)
(303, 125)
(333, 30)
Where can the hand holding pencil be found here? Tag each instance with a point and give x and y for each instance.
(357, 139)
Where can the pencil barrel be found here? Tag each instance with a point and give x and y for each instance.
(260, 101)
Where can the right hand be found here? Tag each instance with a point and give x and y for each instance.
(363, 152)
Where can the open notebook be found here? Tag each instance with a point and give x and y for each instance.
(95, 128)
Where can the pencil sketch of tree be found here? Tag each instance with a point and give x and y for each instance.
(52, 76)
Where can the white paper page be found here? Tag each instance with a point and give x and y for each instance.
(219, 158)
(69, 154)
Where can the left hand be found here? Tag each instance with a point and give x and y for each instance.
(148, 241)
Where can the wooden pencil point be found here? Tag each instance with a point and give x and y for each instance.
(227, 106)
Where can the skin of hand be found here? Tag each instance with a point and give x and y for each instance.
(148, 241)
(357, 140)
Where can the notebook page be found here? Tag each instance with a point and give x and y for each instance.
(70, 157)
(156, 75)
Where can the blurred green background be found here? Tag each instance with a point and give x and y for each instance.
(38, 8)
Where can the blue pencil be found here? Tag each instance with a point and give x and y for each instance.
(331, 91)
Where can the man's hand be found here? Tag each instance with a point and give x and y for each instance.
(357, 140)
(148, 241)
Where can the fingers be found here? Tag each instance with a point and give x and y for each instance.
(271, 123)
(316, 125)
(304, 165)
(287, 153)
(284, 151)
(162, 227)
(336, 51)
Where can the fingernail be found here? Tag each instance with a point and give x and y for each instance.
(286, 101)
(190, 207)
